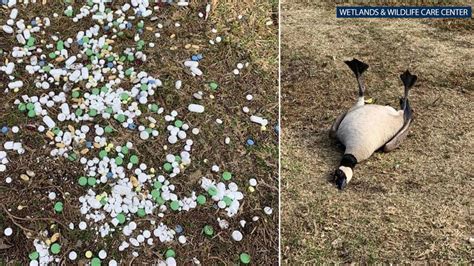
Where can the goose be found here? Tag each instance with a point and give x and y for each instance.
(366, 128)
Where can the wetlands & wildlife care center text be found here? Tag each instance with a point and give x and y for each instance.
(403, 12)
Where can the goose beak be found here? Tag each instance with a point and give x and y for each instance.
(341, 182)
(340, 179)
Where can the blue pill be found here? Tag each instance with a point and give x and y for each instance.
(88, 144)
(132, 126)
(110, 65)
(250, 142)
(194, 58)
(4, 130)
(179, 229)
(110, 175)
(199, 56)
(41, 63)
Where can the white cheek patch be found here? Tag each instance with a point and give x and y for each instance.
(348, 172)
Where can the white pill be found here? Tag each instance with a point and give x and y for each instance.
(172, 139)
(52, 195)
(15, 84)
(170, 261)
(9, 68)
(7, 29)
(8, 231)
(191, 64)
(72, 255)
(237, 236)
(268, 210)
(102, 254)
(196, 71)
(49, 122)
(14, 13)
(253, 182)
(82, 225)
(178, 84)
(71, 60)
(144, 135)
(259, 120)
(196, 108)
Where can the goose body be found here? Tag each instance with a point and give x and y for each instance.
(366, 128)
(363, 129)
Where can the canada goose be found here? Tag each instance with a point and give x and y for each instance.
(363, 129)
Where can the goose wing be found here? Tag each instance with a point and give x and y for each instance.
(335, 125)
(394, 142)
(398, 138)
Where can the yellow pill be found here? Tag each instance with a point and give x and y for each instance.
(50, 134)
(89, 254)
(55, 237)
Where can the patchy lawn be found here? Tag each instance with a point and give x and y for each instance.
(411, 205)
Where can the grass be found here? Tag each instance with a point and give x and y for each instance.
(248, 39)
(412, 205)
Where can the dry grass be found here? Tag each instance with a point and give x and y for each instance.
(245, 40)
(411, 205)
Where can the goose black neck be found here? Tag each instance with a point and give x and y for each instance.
(348, 160)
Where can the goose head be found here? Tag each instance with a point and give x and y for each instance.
(343, 176)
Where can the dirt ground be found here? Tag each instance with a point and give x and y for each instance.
(251, 39)
(411, 205)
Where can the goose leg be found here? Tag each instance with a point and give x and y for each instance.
(358, 68)
(408, 82)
